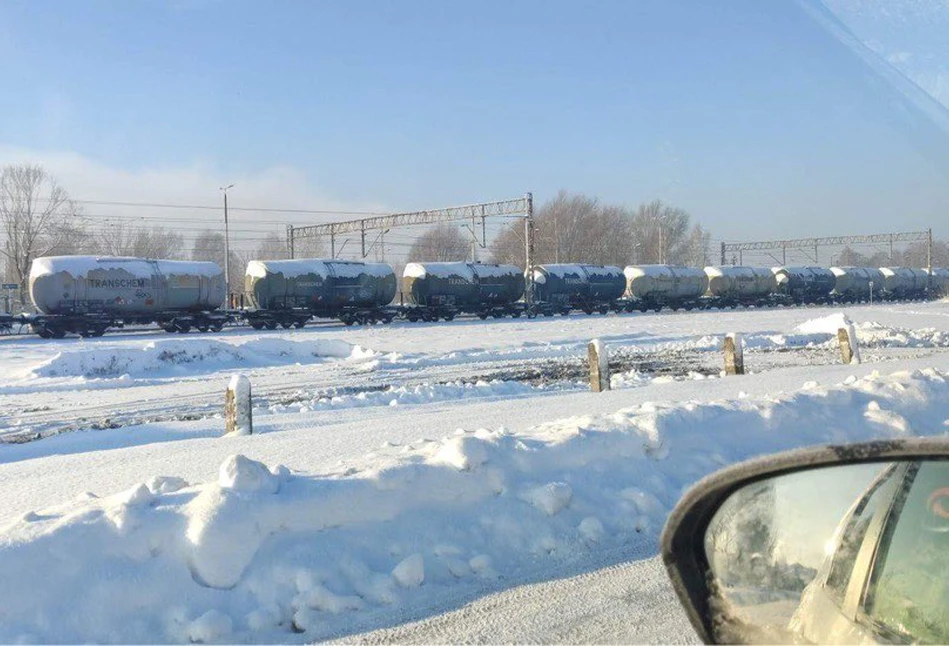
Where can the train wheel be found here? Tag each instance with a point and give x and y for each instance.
(413, 317)
(44, 332)
(58, 333)
(516, 314)
(217, 327)
(299, 324)
(271, 325)
(604, 310)
(286, 324)
(449, 316)
(182, 328)
(203, 328)
(257, 325)
(482, 315)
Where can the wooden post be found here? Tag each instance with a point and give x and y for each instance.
(599, 366)
(849, 350)
(734, 354)
(238, 413)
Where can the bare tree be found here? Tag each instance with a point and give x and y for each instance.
(309, 248)
(209, 245)
(697, 247)
(272, 247)
(123, 239)
(38, 218)
(571, 228)
(661, 233)
(441, 243)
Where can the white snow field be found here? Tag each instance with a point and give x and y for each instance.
(413, 482)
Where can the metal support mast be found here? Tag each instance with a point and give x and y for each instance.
(929, 259)
(529, 251)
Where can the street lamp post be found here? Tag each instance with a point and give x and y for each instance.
(227, 247)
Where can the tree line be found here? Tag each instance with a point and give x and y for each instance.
(577, 228)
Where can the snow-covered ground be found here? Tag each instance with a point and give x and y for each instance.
(398, 473)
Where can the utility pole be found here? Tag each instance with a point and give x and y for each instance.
(290, 240)
(529, 250)
(227, 247)
(723, 254)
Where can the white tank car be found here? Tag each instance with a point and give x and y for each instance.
(855, 282)
(665, 282)
(940, 281)
(740, 282)
(904, 281)
(124, 286)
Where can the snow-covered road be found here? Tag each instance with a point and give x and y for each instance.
(628, 603)
(426, 469)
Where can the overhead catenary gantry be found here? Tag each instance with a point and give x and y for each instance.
(832, 241)
(475, 213)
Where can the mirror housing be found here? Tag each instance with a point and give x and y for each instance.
(683, 544)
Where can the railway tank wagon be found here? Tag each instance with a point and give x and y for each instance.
(445, 289)
(290, 292)
(805, 284)
(940, 281)
(904, 282)
(855, 284)
(657, 286)
(730, 286)
(88, 294)
(560, 288)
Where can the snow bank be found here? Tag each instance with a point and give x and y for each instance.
(263, 554)
(189, 356)
(822, 333)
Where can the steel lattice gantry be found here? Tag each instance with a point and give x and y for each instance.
(814, 243)
(522, 205)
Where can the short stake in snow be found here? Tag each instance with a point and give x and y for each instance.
(734, 354)
(599, 366)
(238, 415)
(849, 350)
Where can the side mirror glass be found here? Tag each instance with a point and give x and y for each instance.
(851, 551)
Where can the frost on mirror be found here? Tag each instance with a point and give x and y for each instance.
(845, 554)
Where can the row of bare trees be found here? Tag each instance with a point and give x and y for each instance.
(576, 228)
(915, 255)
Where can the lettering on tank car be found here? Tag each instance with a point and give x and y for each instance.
(117, 283)
(573, 281)
(309, 283)
(457, 281)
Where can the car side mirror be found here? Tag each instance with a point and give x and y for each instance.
(835, 544)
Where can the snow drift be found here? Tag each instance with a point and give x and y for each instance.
(265, 554)
(166, 358)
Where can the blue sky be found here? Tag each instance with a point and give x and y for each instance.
(750, 114)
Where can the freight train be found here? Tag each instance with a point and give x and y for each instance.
(86, 295)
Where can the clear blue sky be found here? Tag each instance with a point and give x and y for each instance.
(746, 112)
